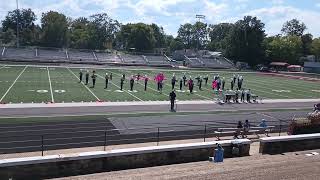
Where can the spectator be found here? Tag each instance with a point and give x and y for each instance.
(246, 128)
(263, 124)
(239, 128)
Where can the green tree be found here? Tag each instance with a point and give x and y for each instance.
(285, 49)
(219, 34)
(293, 28)
(159, 36)
(315, 48)
(102, 31)
(200, 35)
(8, 37)
(139, 36)
(246, 41)
(186, 34)
(306, 43)
(176, 44)
(79, 33)
(54, 29)
(27, 28)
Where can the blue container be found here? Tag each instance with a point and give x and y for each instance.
(218, 155)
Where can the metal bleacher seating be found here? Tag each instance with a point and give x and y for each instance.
(18, 53)
(51, 54)
(157, 60)
(133, 59)
(107, 57)
(81, 55)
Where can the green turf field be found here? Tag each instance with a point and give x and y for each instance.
(29, 84)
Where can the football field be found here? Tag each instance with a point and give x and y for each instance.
(43, 84)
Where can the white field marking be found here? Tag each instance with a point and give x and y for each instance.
(84, 84)
(267, 91)
(139, 83)
(280, 91)
(13, 83)
(3, 67)
(289, 85)
(52, 99)
(315, 91)
(119, 88)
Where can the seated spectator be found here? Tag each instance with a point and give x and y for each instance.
(239, 129)
(246, 128)
(263, 124)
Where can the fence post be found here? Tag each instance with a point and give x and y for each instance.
(280, 128)
(105, 140)
(42, 147)
(205, 133)
(158, 136)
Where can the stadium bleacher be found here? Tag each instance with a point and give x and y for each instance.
(18, 53)
(157, 60)
(133, 59)
(55, 54)
(81, 55)
(107, 57)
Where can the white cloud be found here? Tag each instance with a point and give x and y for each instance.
(276, 16)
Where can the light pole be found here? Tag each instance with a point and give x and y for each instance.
(199, 17)
(17, 23)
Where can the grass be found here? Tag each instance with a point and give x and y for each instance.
(34, 86)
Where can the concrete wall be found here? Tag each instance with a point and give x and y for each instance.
(102, 161)
(282, 144)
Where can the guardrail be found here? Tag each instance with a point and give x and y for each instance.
(37, 141)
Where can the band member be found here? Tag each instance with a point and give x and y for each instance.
(200, 84)
(206, 78)
(184, 79)
(190, 84)
(106, 81)
(131, 83)
(87, 77)
(110, 77)
(93, 77)
(172, 97)
(232, 84)
(146, 79)
(173, 81)
(181, 83)
(121, 82)
(80, 75)
(223, 83)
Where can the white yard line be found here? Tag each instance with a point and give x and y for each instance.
(3, 67)
(84, 85)
(119, 88)
(13, 83)
(52, 99)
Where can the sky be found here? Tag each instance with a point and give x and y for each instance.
(170, 14)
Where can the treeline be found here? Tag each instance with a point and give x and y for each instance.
(244, 40)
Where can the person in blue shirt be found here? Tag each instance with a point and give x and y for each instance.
(263, 123)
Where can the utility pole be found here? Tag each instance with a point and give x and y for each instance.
(17, 23)
(199, 17)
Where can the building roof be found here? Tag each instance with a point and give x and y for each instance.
(279, 64)
(294, 66)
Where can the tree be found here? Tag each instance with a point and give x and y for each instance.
(306, 43)
(287, 49)
(27, 29)
(139, 36)
(159, 36)
(186, 34)
(293, 28)
(79, 33)
(8, 37)
(219, 34)
(54, 29)
(246, 41)
(102, 31)
(315, 48)
(176, 44)
(200, 37)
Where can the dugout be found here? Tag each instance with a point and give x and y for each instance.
(279, 66)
